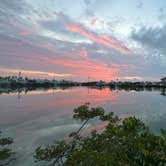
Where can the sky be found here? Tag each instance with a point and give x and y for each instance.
(83, 39)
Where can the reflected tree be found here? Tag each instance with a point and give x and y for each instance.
(163, 92)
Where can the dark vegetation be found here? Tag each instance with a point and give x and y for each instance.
(19, 84)
(6, 154)
(125, 142)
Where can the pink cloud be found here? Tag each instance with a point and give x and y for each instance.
(84, 52)
(83, 68)
(104, 40)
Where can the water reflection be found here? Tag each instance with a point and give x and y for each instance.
(43, 115)
(31, 91)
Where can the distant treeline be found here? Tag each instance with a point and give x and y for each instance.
(20, 82)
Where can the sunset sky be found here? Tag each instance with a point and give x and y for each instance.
(81, 39)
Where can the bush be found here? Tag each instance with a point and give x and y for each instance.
(125, 142)
(6, 153)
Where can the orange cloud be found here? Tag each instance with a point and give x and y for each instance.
(104, 40)
(32, 73)
(83, 68)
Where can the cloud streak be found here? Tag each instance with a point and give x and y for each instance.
(83, 68)
(33, 73)
(104, 40)
(83, 39)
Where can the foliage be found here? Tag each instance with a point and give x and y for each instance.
(83, 112)
(125, 142)
(5, 152)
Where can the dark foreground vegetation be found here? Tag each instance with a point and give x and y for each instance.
(126, 142)
(6, 154)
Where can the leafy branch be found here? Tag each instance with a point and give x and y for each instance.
(125, 142)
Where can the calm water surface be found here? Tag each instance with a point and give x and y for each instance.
(42, 116)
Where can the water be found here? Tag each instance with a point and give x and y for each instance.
(41, 116)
